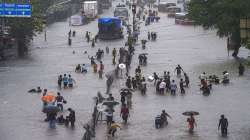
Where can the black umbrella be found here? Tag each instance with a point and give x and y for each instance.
(51, 109)
(125, 93)
(126, 89)
(143, 54)
(110, 103)
(189, 113)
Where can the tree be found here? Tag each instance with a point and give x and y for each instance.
(223, 15)
(23, 29)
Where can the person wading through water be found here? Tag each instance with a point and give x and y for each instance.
(60, 100)
(241, 69)
(178, 70)
(191, 123)
(223, 124)
(124, 113)
(101, 70)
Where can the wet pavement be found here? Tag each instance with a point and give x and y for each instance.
(195, 49)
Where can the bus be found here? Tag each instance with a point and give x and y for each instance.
(121, 12)
(110, 28)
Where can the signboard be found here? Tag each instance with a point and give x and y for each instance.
(15, 10)
(1, 9)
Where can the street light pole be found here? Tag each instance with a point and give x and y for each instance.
(3, 21)
(45, 33)
(134, 12)
(2, 28)
(45, 28)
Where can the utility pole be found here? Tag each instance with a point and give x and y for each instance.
(2, 27)
(2, 20)
(45, 28)
(45, 33)
(134, 12)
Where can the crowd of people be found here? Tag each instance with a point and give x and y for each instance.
(53, 107)
(65, 81)
(163, 84)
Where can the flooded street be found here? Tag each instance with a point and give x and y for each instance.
(195, 49)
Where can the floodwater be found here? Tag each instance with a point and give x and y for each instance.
(195, 49)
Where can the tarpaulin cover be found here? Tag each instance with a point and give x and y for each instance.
(109, 21)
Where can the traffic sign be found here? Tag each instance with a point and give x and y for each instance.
(1, 9)
(23, 10)
(15, 10)
(9, 10)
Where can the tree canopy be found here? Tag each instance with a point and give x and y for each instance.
(23, 29)
(223, 15)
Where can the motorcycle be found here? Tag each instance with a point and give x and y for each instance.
(159, 122)
(225, 79)
(143, 42)
(143, 59)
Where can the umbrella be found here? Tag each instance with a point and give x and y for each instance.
(122, 66)
(100, 107)
(126, 89)
(110, 103)
(48, 98)
(189, 113)
(144, 54)
(115, 125)
(51, 109)
(125, 93)
(150, 78)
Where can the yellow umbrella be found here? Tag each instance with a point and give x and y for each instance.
(115, 125)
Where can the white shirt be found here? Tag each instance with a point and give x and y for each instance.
(203, 76)
(226, 76)
(162, 85)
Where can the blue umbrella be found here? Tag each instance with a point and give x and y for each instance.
(51, 109)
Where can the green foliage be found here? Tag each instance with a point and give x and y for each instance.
(223, 15)
(23, 29)
(26, 27)
(248, 44)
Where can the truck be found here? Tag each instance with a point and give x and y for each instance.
(106, 4)
(76, 20)
(164, 4)
(90, 9)
(110, 28)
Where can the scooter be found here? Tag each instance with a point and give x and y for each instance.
(143, 42)
(159, 122)
(225, 81)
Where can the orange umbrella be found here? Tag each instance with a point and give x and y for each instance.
(48, 98)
